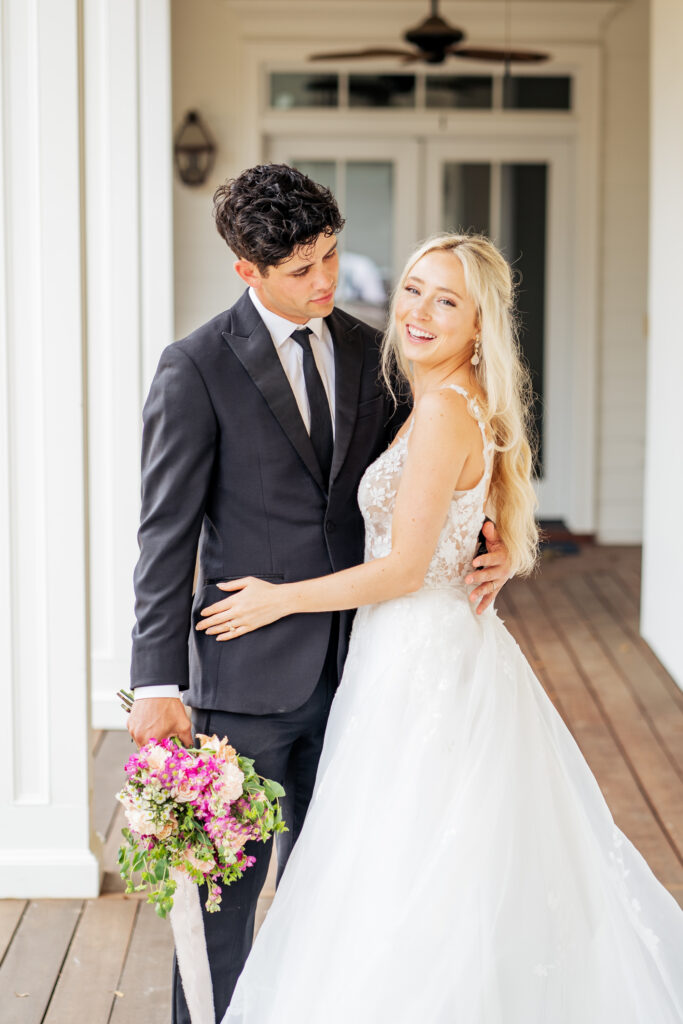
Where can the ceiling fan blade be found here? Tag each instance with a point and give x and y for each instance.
(362, 54)
(504, 56)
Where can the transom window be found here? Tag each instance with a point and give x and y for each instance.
(423, 90)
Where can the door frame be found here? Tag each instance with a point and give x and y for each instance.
(262, 52)
(562, 391)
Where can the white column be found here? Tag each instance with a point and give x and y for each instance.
(129, 303)
(44, 649)
(662, 551)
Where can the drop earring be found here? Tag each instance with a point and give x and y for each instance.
(477, 349)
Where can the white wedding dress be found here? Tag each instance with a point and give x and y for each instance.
(458, 863)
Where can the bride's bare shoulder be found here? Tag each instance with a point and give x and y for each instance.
(443, 418)
(447, 404)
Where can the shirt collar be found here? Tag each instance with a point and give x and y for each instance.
(279, 328)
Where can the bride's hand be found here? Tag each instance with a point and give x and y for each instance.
(252, 603)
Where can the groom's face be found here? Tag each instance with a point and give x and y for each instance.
(303, 286)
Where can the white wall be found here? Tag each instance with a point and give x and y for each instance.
(662, 552)
(206, 76)
(208, 73)
(624, 258)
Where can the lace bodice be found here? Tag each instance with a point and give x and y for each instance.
(457, 542)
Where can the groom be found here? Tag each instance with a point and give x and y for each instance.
(257, 430)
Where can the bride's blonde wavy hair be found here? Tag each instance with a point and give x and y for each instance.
(502, 378)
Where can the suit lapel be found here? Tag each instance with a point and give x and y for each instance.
(348, 365)
(256, 352)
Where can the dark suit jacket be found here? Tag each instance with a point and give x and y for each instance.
(227, 462)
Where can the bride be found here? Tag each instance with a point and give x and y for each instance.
(458, 861)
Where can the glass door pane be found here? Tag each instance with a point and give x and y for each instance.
(364, 190)
(522, 237)
(507, 202)
(467, 197)
(322, 171)
(367, 240)
(376, 183)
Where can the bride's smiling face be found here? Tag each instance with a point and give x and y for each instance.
(435, 317)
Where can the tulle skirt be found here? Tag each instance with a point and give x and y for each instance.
(458, 864)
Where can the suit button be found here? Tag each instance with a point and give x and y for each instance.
(330, 527)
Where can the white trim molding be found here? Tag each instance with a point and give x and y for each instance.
(49, 874)
(663, 560)
(129, 302)
(45, 766)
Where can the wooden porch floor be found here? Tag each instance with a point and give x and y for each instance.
(107, 961)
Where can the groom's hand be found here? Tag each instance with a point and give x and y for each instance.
(158, 718)
(493, 569)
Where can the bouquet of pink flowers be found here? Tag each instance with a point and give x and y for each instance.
(191, 810)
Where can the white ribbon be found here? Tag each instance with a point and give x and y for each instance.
(190, 948)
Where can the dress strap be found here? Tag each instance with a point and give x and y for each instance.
(476, 414)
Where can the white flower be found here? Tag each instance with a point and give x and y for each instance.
(140, 821)
(231, 782)
(157, 757)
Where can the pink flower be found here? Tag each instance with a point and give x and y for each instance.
(205, 866)
(163, 830)
(184, 791)
(221, 748)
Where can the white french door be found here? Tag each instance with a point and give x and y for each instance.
(519, 193)
(394, 192)
(374, 182)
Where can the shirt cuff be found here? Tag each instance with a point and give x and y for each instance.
(165, 690)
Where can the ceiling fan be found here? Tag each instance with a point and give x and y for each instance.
(434, 40)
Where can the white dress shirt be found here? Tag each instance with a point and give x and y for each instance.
(291, 355)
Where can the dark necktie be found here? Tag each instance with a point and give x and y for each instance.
(322, 437)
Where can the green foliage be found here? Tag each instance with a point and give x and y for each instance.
(145, 861)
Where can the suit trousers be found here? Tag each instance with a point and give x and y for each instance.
(285, 747)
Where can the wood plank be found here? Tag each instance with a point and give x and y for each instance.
(660, 701)
(521, 628)
(34, 959)
(146, 978)
(615, 603)
(113, 753)
(628, 804)
(633, 731)
(627, 569)
(92, 969)
(10, 915)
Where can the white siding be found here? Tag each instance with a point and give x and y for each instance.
(621, 408)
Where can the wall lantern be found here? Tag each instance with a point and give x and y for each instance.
(194, 150)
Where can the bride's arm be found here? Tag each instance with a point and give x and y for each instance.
(442, 438)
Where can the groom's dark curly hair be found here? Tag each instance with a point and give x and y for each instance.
(270, 211)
